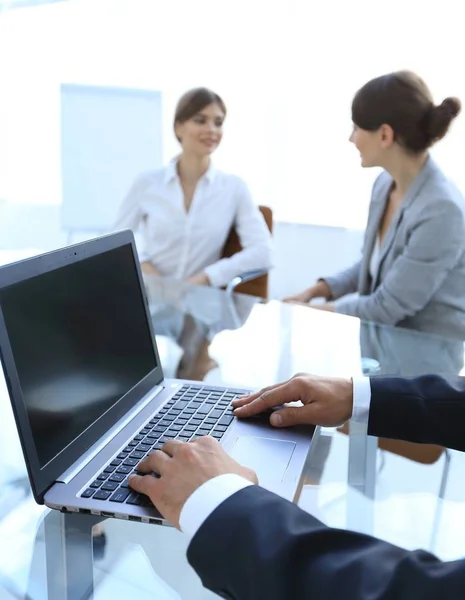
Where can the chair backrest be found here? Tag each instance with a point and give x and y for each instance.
(256, 287)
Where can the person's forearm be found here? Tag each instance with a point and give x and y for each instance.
(199, 279)
(148, 268)
(428, 409)
(320, 290)
(276, 550)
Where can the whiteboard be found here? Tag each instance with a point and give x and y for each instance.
(108, 137)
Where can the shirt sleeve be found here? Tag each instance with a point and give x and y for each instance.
(201, 503)
(255, 239)
(362, 400)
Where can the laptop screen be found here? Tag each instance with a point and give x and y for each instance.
(80, 341)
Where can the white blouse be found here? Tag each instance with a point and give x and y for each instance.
(374, 260)
(179, 243)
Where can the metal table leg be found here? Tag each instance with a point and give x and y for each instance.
(69, 555)
(361, 478)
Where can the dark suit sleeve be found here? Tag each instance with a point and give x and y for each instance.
(428, 409)
(256, 546)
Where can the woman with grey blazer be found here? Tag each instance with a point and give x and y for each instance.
(412, 270)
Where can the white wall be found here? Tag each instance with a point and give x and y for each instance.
(287, 69)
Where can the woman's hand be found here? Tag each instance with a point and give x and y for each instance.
(199, 279)
(328, 306)
(303, 297)
(320, 290)
(148, 269)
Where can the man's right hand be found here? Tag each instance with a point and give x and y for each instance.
(327, 401)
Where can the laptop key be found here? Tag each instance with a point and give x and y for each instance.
(158, 429)
(109, 469)
(123, 469)
(217, 434)
(221, 428)
(87, 493)
(143, 448)
(101, 495)
(118, 477)
(135, 499)
(131, 462)
(204, 431)
(96, 484)
(122, 455)
(138, 455)
(120, 496)
(216, 414)
(226, 420)
(116, 462)
(109, 486)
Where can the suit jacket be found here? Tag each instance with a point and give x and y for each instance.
(256, 545)
(420, 278)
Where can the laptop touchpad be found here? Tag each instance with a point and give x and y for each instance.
(269, 458)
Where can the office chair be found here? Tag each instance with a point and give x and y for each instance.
(253, 283)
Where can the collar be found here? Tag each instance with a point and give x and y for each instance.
(171, 172)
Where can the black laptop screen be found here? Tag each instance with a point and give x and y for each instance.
(80, 341)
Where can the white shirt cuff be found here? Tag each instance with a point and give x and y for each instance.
(201, 503)
(362, 400)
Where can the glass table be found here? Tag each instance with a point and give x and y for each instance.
(407, 494)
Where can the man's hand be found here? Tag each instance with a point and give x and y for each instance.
(183, 467)
(326, 401)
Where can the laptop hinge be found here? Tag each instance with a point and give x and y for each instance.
(85, 459)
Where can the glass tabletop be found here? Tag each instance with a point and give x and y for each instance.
(409, 495)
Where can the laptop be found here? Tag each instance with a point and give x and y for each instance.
(86, 385)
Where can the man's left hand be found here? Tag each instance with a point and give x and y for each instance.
(183, 467)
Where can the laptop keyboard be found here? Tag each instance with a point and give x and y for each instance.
(194, 411)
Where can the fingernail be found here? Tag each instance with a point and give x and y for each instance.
(276, 419)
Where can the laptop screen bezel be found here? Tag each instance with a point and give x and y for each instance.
(42, 478)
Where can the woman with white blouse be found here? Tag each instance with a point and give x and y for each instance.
(184, 211)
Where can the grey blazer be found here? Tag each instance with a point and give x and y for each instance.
(420, 278)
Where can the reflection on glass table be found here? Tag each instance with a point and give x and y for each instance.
(188, 318)
(252, 344)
